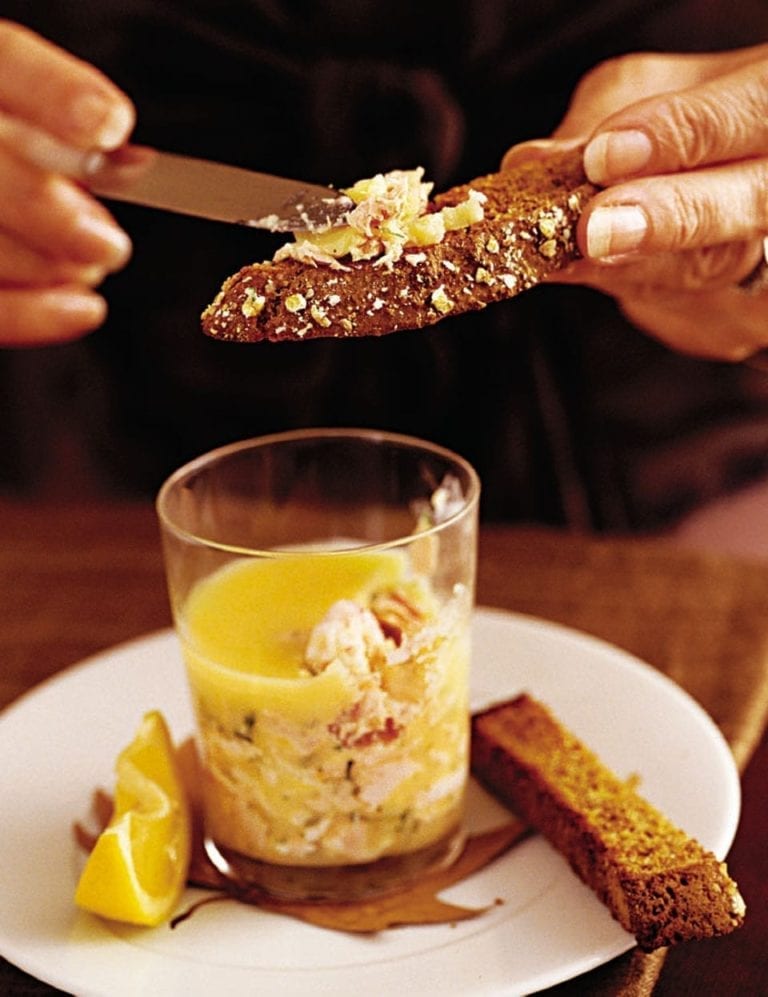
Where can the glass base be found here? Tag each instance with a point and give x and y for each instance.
(335, 883)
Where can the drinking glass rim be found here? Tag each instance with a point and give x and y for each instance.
(372, 435)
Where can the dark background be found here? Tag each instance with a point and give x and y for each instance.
(569, 415)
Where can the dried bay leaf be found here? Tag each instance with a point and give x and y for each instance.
(418, 902)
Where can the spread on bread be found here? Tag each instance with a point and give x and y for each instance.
(405, 262)
(659, 883)
(390, 214)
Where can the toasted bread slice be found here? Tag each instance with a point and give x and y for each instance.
(526, 234)
(659, 883)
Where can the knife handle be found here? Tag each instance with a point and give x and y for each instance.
(46, 152)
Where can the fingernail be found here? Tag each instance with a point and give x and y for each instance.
(82, 274)
(78, 309)
(92, 275)
(109, 242)
(96, 238)
(615, 155)
(614, 230)
(537, 148)
(106, 122)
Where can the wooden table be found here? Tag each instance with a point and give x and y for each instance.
(78, 579)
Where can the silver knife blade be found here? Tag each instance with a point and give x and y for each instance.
(182, 184)
(205, 189)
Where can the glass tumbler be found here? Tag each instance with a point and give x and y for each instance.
(322, 584)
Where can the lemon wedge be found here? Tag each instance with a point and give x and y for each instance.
(138, 866)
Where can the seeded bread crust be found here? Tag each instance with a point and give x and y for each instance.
(660, 884)
(528, 232)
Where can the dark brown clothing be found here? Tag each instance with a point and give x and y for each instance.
(568, 413)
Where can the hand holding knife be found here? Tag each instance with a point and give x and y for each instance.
(57, 245)
(182, 184)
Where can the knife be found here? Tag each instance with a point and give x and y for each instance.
(214, 190)
(182, 184)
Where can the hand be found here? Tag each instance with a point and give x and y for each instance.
(56, 242)
(680, 143)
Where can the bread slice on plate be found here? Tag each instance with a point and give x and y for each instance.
(659, 883)
(524, 232)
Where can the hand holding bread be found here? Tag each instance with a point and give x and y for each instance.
(680, 144)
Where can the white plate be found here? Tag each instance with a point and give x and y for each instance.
(58, 742)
